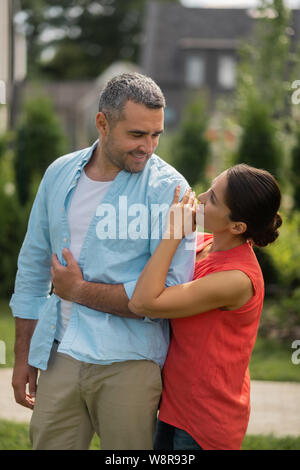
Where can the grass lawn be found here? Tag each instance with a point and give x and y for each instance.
(271, 360)
(14, 436)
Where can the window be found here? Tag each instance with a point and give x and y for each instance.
(194, 71)
(227, 72)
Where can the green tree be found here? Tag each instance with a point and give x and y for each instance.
(85, 37)
(39, 141)
(263, 91)
(259, 145)
(191, 148)
(12, 219)
(267, 60)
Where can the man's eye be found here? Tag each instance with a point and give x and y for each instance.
(212, 197)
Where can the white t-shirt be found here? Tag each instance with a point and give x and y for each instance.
(87, 196)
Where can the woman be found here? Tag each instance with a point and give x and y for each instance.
(206, 397)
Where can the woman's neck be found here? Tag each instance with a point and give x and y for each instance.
(224, 242)
(219, 244)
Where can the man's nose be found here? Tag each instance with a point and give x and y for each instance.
(148, 145)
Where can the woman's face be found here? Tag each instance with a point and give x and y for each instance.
(216, 213)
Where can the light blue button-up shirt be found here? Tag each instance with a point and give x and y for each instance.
(92, 336)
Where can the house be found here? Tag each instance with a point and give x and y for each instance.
(190, 49)
(12, 59)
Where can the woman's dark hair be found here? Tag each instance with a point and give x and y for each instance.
(253, 197)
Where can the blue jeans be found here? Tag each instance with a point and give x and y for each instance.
(167, 437)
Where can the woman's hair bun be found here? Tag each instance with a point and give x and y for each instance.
(269, 233)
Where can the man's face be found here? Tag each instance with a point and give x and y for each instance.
(131, 141)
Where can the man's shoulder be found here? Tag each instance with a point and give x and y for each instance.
(163, 174)
(67, 161)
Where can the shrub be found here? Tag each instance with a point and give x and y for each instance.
(12, 224)
(259, 145)
(191, 148)
(39, 141)
(285, 252)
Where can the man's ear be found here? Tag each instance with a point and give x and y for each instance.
(102, 124)
(238, 228)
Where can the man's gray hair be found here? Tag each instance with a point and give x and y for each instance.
(129, 87)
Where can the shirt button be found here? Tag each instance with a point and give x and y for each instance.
(65, 240)
(63, 209)
(52, 327)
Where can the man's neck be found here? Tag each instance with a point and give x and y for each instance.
(99, 168)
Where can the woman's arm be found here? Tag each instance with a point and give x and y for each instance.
(219, 290)
(227, 290)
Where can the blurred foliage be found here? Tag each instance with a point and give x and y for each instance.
(285, 252)
(83, 37)
(267, 61)
(287, 310)
(39, 141)
(12, 219)
(269, 270)
(191, 148)
(295, 170)
(281, 317)
(259, 145)
(24, 157)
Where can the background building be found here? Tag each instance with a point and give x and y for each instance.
(191, 49)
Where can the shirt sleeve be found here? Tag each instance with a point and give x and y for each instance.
(33, 279)
(182, 267)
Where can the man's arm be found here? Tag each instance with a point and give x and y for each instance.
(23, 373)
(32, 287)
(69, 285)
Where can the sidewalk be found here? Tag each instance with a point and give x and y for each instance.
(275, 406)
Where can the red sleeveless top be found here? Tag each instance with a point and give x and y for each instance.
(206, 377)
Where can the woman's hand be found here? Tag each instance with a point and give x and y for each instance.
(181, 218)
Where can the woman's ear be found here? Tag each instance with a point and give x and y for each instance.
(238, 228)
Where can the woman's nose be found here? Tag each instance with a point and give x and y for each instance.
(201, 198)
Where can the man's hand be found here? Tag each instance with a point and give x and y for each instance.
(66, 279)
(24, 374)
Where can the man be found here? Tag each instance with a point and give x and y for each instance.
(100, 364)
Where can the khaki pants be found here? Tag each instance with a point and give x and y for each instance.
(75, 399)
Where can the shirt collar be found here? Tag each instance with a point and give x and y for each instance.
(87, 154)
